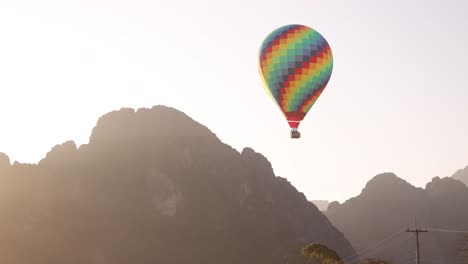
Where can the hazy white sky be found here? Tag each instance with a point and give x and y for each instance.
(397, 100)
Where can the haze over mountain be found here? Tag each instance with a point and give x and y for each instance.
(322, 205)
(388, 204)
(462, 175)
(154, 186)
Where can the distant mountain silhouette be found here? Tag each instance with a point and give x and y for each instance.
(154, 186)
(388, 204)
(321, 204)
(462, 175)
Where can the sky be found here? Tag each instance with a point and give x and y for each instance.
(397, 100)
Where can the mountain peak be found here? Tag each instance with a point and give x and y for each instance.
(248, 152)
(388, 183)
(443, 186)
(60, 153)
(385, 177)
(254, 157)
(156, 123)
(4, 160)
(462, 175)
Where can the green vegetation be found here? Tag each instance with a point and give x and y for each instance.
(322, 253)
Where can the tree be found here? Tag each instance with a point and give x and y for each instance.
(322, 253)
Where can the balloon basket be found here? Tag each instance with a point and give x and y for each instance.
(295, 133)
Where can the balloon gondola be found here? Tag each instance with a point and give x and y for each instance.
(295, 64)
(295, 133)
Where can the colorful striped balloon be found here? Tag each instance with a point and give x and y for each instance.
(296, 63)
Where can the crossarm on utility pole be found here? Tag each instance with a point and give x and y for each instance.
(416, 231)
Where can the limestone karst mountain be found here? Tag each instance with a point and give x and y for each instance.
(154, 186)
(388, 204)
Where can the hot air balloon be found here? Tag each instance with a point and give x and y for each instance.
(295, 64)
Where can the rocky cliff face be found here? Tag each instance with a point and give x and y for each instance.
(388, 204)
(154, 186)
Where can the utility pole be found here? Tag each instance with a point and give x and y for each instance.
(416, 231)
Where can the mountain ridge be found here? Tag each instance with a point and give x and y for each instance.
(388, 205)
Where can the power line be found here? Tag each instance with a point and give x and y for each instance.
(360, 252)
(374, 249)
(393, 240)
(379, 249)
(447, 230)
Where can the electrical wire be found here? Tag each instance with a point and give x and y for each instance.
(380, 248)
(360, 252)
(447, 230)
(389, 242)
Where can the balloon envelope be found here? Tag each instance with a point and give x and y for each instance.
(295, 64)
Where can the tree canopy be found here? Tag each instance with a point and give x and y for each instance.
(322, 252)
